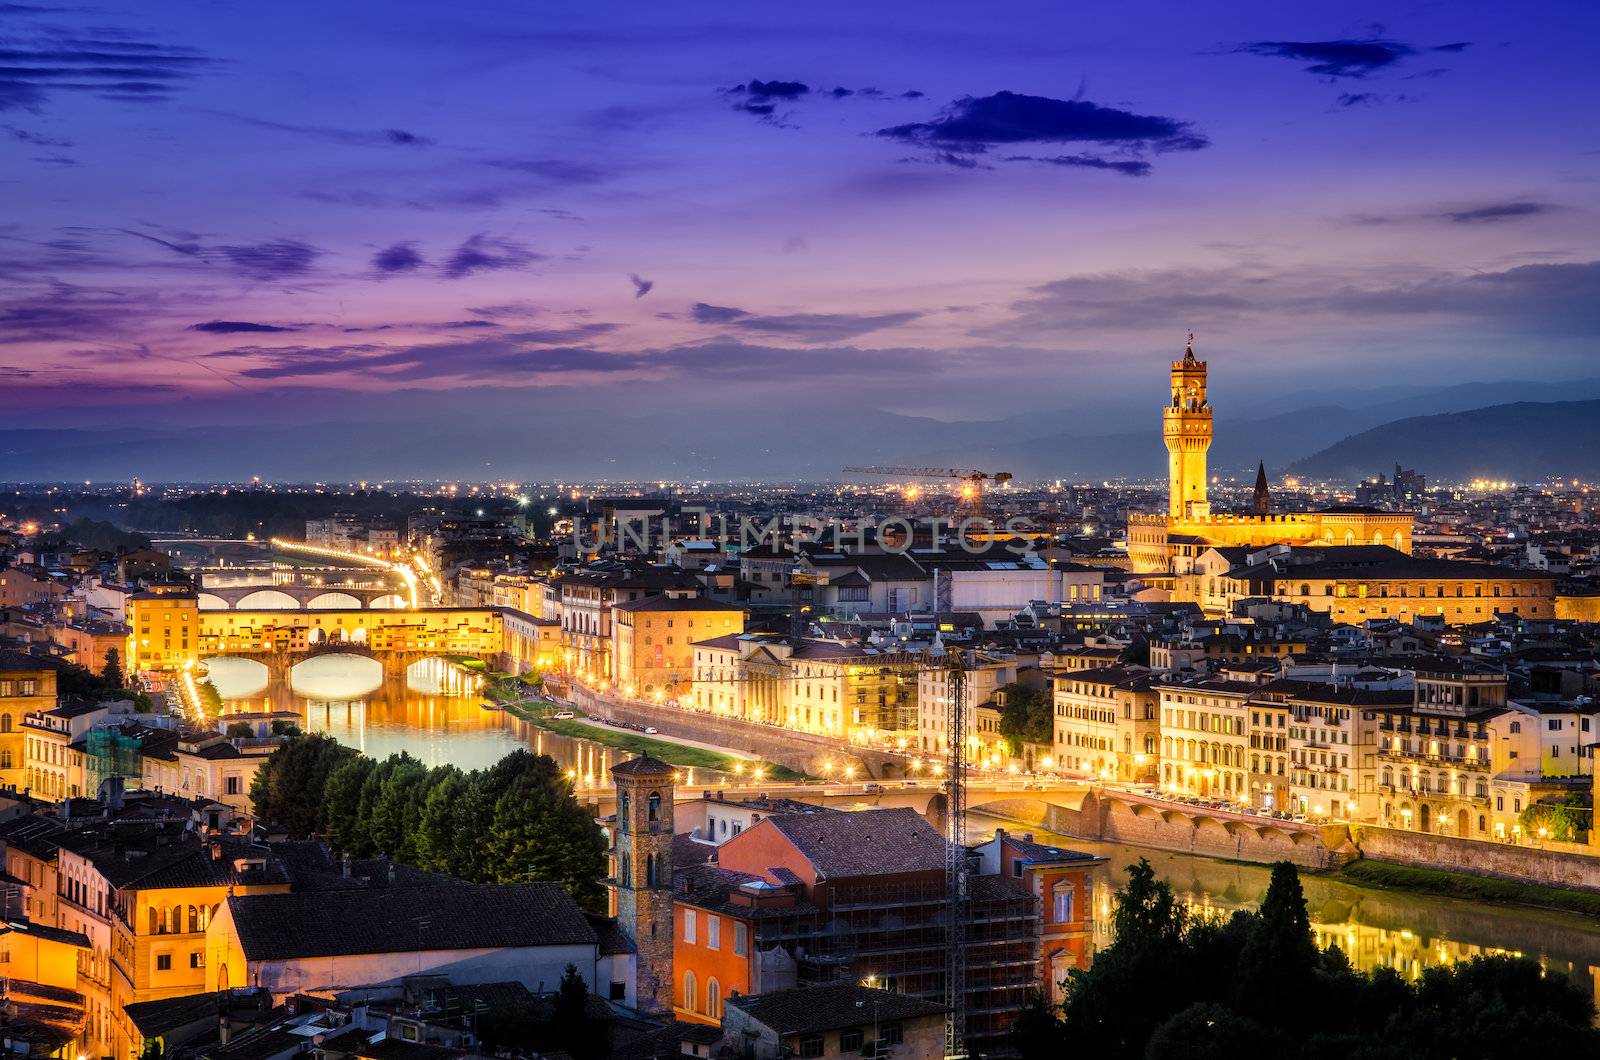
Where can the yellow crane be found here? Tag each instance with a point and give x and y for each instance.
(972, 481)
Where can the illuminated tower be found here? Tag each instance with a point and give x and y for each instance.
(641, 873)
(1186, 426)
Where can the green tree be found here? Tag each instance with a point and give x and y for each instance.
(342, 801)
(397, 811)
(111, 672)
(1566, 819)
(436, 830)
(575, 1032)
(539, 832)
(240, 730)
(210, 698)
(290, 786)
(1026, 716)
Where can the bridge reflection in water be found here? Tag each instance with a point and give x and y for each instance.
(1395, 929)
(431, 714)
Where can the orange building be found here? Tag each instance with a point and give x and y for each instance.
(653, 640)
(1063, 881)
(27, 686)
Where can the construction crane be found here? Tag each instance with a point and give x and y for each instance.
(955, 860)
(972, 480)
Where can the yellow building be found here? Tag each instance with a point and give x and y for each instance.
(1354, 583)
(1205, 740)
(653, 640)
(162, 631)
(1107, 723)
(1168, 543)
(27, 686)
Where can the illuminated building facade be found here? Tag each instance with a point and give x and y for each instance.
(1107, 724)
(653, 650)
(1168, 543)
(27, 686)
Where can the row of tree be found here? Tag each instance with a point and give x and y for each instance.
(513, 822)
(1175, 985)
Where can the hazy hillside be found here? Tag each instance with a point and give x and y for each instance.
(1525, 440)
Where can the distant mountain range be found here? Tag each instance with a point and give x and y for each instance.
(1526, 440)
(1447, 433)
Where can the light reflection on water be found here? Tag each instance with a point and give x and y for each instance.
(430, 714)
(1401, 930)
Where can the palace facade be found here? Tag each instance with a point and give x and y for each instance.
(1170, 543)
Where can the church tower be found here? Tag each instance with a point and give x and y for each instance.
(641, 874)
(1186, 427)
(1263, 497)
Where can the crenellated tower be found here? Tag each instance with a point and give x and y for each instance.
(641, 875)
(1186, 427)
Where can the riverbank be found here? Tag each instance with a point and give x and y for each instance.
(537, 712)
(1417, 880)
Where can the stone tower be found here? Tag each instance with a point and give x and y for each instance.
(1186, 428)
(1263, 498)
(641, 873)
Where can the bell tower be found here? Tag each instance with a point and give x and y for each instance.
(1186, 428)
(641, 875)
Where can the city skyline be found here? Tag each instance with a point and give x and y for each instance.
(222, 218)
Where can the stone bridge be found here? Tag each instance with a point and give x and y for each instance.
(297, 597)
(395, 661)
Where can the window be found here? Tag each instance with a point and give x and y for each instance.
(690, 991)
(713, 934)
(1061, 902)
(741, 939)
(619, 991)
(688, 925)
(811, 1045)
(850, 1041)
(713, 998)
(163, 962)
(655, 806)
(197, 959)
(892, 1033)
(1016, 868)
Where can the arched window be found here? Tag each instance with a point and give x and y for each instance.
(655, 807)
(622, 811)
(155, 922)
(625, 871)
(5, 722)
(713, 999)
(1305, 590)
(651, 871)
(689, 990)
(174, 919)
(195, 923)
(1516, 726)
(5, 759)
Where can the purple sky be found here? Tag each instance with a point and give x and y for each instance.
(230, 209)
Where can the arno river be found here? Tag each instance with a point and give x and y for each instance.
(438, 722)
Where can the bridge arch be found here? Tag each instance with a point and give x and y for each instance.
(390, 602)
(212, 602)
(268, 600)
(333, 600)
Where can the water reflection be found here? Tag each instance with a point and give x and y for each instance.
(433, 713)
(1395, 929)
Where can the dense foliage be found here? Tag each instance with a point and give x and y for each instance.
(1026, 716)
(1567, 819)
(511, 823)
(1178, 986)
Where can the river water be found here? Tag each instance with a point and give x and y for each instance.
(436, 717)
(1376, 928)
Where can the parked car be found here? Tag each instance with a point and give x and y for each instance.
(650, 730)
(564, 715)
(873, 789)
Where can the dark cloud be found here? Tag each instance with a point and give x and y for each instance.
(64, 312)
(189, 248)
(484, 253)
(705, 313)
(274, 260)
(237, 327)
(110, 64)
(36, 139)
(1127, 167)
(1358, 99)
(335, 134)
(55, 160)
(641, 286)
(800, 327)
(556, 172)
(401, 257)
(763, 98)
(1343, 58)
(769, 90)
(971, 126)
(464, 325)
(1497, 211)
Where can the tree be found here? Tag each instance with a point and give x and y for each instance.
(1566, 819)
(1026, 716)
(290, 786)
(111, 672)
(342, 801)
(210, 698)
(397, 811)
(539, 832)
(575, 1031)
(240, 730)
(1277, 965)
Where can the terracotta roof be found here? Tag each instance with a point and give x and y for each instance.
(867, 843)
(407, 920)
(643, 766)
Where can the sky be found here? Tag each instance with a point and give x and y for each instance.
(299, 213)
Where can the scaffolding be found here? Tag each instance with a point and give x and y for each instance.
(110, 752)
